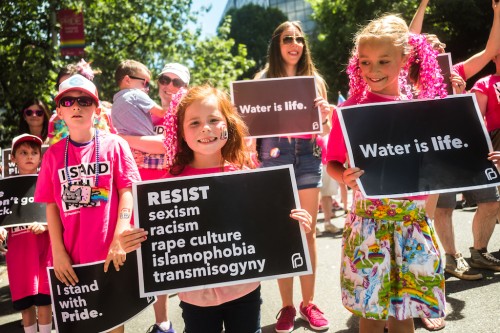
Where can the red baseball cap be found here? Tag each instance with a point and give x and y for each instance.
(79, 83)
(25, 138)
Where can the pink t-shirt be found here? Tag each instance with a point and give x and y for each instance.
(490, 86)
(88, 231)
(337, 149)
(219, 295)
(322, 142)
(28, 257)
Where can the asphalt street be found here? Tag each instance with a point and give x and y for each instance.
(473, 306)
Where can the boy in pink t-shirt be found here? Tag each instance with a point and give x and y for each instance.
(86, 181)
(29, 250)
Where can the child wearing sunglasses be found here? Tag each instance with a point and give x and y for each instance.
(83, 229)
(132, 113)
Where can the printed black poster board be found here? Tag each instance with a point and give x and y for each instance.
(419, 147)
(9, 168)
(17, 205)
(444, 61)
(219, 229)
(277, 107)
(100, 301)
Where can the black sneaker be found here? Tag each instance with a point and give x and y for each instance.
(156, 329)
(483, 259)
(458, 267)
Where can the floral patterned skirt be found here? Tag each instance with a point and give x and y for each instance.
(391, 264)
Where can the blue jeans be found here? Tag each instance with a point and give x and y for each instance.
(299, 153)
(241, 315)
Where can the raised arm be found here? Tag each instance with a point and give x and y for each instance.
(418, 18)
(477, 62)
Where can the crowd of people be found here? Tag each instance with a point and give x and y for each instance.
(197, 131)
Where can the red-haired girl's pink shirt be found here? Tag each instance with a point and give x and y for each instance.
(219, 295)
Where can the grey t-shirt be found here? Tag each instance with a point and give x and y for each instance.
(130, 112)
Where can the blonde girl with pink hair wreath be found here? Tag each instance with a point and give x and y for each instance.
(381, 255)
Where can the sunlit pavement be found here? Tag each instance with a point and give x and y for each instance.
(473, 306)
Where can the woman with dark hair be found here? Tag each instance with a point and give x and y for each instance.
(34, 119)
(289, 55)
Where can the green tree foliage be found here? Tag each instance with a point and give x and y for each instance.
(154, 32)
(463, 25)
(213, 61)
(252, 25)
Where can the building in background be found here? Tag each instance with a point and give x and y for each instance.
(296, 10)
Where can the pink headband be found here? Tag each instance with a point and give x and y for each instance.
(170, 123)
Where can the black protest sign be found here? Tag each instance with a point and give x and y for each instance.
(9, 168)
(100, 301)
(277, 107)
(17, 204)
(218, 230)
(419, 147)
(444, 61)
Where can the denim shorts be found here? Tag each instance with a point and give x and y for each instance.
(297, 152)
(484, 195)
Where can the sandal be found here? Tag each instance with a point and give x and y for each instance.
(433, 324)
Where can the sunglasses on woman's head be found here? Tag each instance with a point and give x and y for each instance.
(290, 39)
(30, 112)
(70, 100)
(165, 80)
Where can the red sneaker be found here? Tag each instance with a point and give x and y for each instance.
(286, 319)
(314, 316)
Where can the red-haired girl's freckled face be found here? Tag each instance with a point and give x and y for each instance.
(202, 127)
(380, 63)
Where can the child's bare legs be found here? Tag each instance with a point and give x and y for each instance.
(120, 329)
(326, 205)
(309, 201)
(44, 315)
(29, 316)
(371, 326)
(377, 326)
(401, 326)
(160, 308)
(343, 196)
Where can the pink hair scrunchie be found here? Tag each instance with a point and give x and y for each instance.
(170, 123)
